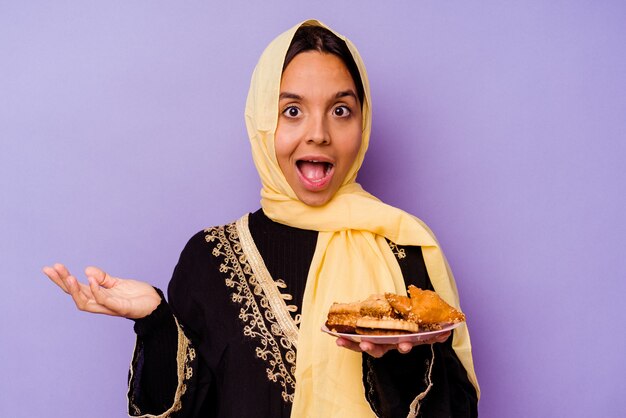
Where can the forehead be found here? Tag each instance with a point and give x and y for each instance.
(313, 70)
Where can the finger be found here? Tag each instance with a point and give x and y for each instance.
(81, 294)
(62, 270)
(96, 290)
(366, 346)
(375, 350)
(346, 343)
(405, 347)
(73, 287)
(54, 276)
(105, 280)
(438, 338)
(107, 304)
(83, 298)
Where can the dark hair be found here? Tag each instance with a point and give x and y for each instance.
(316, 38)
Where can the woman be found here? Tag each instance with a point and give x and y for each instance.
(247, 296)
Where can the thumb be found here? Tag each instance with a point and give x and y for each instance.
(101, 277)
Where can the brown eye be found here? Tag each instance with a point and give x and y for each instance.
(291, 112)
(341, 111)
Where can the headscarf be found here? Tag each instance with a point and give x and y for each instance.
(352, 259)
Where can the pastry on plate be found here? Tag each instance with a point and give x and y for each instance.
(388, 314)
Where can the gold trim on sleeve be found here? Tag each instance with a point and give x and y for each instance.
(185, 354)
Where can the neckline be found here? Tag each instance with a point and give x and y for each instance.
(260, 219)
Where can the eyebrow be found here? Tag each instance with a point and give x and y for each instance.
(346, 93)
(287, 95)
(339, 95)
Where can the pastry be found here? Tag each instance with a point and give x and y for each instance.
(422, 310)
(430, 311)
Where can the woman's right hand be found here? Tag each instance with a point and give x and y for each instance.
(106, 294)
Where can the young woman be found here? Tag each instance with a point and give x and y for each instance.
(240, 335)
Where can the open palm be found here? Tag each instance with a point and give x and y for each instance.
(106, 294)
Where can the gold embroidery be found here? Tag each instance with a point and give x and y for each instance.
(270, 287)
(397, 251)
(263, 311)
(191, 355)
(185, 354)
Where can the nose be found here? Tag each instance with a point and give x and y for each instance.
(317, 130)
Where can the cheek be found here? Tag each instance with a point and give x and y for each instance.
(281, 144)
(351, 152)
(284, 146)
(286, 136)
(354, 145)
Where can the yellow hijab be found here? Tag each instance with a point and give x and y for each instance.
(352, 259)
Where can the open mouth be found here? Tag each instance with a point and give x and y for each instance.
(314, 171)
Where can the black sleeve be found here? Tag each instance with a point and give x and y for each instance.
(153, 374)
(165, 371)
(430, 378)
(188, 295)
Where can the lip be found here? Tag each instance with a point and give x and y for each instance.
(320, 184)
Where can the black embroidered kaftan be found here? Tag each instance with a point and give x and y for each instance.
(225, 345)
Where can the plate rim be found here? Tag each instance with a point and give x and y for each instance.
(382, 338)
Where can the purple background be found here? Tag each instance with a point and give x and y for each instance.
(502, 126)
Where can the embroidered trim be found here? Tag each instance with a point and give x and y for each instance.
(263, 312)
(185, 355)
(415, 405)
(400, 253)
(270, 287)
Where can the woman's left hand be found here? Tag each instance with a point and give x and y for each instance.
(378, 350)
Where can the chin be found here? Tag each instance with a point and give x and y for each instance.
(316, 200)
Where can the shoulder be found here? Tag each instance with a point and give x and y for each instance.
(197, 264)
(205, 240)
(196, 243)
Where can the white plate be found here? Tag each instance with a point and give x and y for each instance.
(392, 339)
